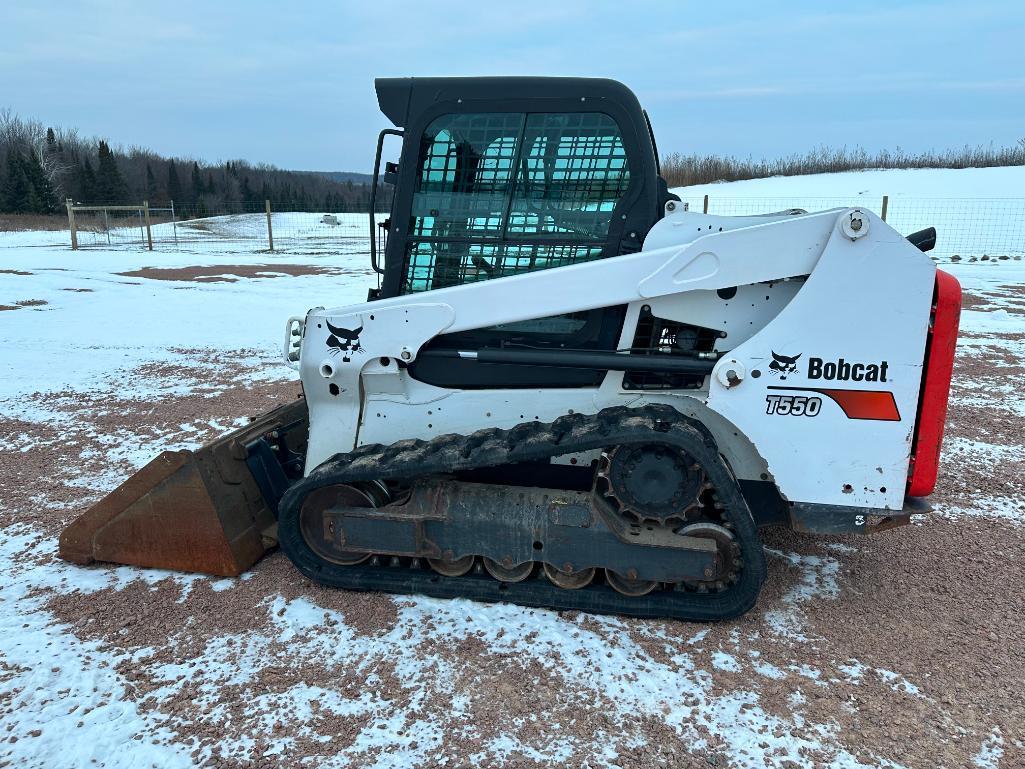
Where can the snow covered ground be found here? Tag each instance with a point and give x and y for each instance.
(110, 318)
(928, 183)
(900, 650)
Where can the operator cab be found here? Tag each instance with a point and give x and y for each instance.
(503, 175)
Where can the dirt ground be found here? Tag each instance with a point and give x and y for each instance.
(907, 647)
(228, 273)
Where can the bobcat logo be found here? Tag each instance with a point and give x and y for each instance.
(781, 365)
(344, 340)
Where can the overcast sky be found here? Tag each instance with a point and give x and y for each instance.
(291, 83)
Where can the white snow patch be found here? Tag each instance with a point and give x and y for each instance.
(724, 661)
(986, 506)
(991, 322)
(763, 668)
(980, 452)
(897, 681)
(991, 751)
(807, 671)
(818, 579)
(840, 547)
(697, 637)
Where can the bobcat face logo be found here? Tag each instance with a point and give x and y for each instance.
(782, 365)
(344, 341)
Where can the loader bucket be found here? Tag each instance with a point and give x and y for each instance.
(211, 511)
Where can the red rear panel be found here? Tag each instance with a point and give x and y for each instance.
(939, 365)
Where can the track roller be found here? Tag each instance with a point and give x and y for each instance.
(508, 573)
(569, 580)
(627, 586)
(453, 568)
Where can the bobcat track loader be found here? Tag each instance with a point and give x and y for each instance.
(568, 390)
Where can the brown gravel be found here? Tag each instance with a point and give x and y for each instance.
(1006, 297)
(905, 647)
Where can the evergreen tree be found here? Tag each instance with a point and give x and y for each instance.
(85, 183)
(151, 184)
(110, 186)
(41, 197)
(31, 203)
(197, 183)
(14, 193)
(4, 175)
(174, 185)
(92, 172)
(7, 196)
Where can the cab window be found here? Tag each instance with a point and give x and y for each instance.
(504, 193)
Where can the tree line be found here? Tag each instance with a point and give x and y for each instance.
(41, 166)
(684, 170)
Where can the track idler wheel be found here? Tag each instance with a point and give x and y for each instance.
(569, 580)
(312, 524)
(508, 573)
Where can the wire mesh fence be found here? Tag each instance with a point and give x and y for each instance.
(113, 226)
(966, 227)
(244, 226)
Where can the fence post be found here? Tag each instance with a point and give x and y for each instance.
(270, 230)
(149, 231)
(886, 204)
(71, 223)
(705, 210)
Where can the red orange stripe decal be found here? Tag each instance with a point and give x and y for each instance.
(878, 405)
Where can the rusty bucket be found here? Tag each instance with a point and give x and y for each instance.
(201, 511)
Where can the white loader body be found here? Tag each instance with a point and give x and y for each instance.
(816, 388)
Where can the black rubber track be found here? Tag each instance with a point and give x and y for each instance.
(531, 441)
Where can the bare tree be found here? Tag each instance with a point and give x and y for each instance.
(55, 165)
(12, 129)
